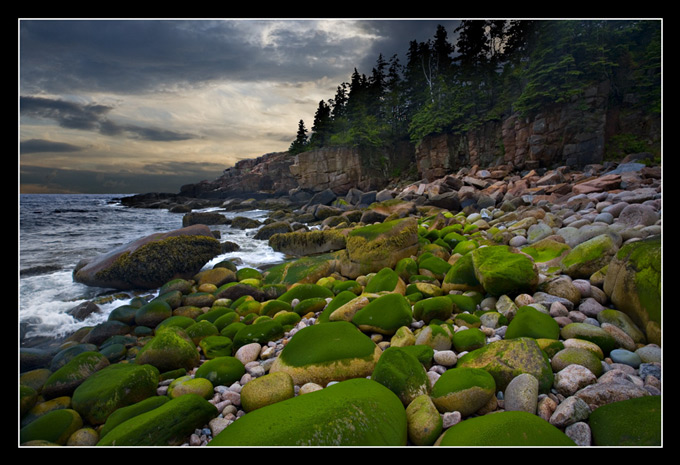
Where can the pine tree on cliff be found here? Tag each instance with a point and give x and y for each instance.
(301, 141)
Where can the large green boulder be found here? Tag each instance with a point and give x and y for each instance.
(461, 276)
(153, 313)
(168, 350)
(633, 283)
(433, 308)
(55, 427)
(114, 387)
(465, 390)
(530, 322)
(332, 351)
(502, 272)
(125, 413)
(67, 378)
(384, 315)
(303, 270)
(262, 332)
(266, 390)
(425, 424)
(167, 425)
(592, 333)
(633, 422)
(511, 428)
(385, 280)
(590, 256)
(402, 373)
(221, 371)
(508, 358)
(372, 248)
(151, 261)
(355, 412)
(306, 291)
(301, 243)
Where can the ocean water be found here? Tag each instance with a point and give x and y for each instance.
(56, 231)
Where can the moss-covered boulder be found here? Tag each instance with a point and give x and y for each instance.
(530, 322)
(435, 336)
(114, 387)
(221, 371)
(590, 256)
(302, 243)
(633, 282)
(384, 315)
(303, 270)
(385, 280)
(503, 272)
(634, 422)
(516, 428)
(167, 425)
(592, 333)
(262, 332)
(356, 412)
(55, 427)
(461, 276)
(67, 378)
(425, 424)
(200, 330)
(267, 390)
(151, 261)
(548, 252)
(433, 308)
(125, 413)
(153, 313)
(332, 351)
(168, 350)
(189, 385)
(577, 356)
(402, 373)
(468, 339)
(371, 248)
(465, 390)
(434, 266)
(508, 358)
(272, 307)
(313, 305)
(306, 291)
(216, 346)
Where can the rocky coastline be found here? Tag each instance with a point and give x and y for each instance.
(428, 313)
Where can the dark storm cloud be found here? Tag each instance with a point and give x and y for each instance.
(91, 117)
(46, 146)
(141, 55)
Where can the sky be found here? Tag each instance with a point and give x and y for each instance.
(137, 105)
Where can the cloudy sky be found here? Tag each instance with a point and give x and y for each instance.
(125, 106)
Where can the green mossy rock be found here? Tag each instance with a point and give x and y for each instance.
(227, 319)
(623, 322)
(217, 276)
(67, 378)
(221, 371)
(27, 399)
(306, 291)
(426, 290)
(577, 356)
(508, 358)
(39, 408)
(405, 268)
(287, 319)
(179, 284)
(516, 428)
(312, 305)
(529, 322)
(425, 424)
(402, 373)
(302, 243)
(190, 385)
(216, 346)
(591, 333)
(550, 346)
(267, 390)
(200, 330)
(261, 333)
(180, 321)
(349, 285)
(332, 351)
(304, 270)
(465, 390)
(114, 387)
(248, 273)
(231, 329)
(214, 314)
(590, 256)
(385, 280)
(64, 356)
(167, 425)
(356, 412)
(198, 299)
(468, 339)
(124, 314)
(439, 308)
(633, 282)
(462, 303)
(168, 350)
(384, 315)
(634, 422)
(502, 272)
(272, 307)
(55, 427)
(548, 251)
(372, 248)
(435, 265)
(434, 336)
(125, 413)
(172, 298)
(152, 261)
(461, 276)
(153, 313)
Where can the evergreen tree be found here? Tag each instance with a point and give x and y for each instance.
(321, 130)
(300, 142)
